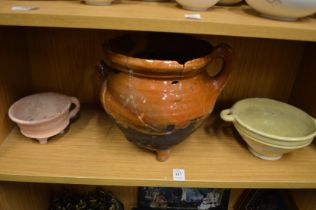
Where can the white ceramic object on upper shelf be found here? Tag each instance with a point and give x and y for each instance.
(197, 5)
(98, 2)
(228, 2)
(286, 10)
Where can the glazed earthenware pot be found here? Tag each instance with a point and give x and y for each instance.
(158, 88)
(43, 115)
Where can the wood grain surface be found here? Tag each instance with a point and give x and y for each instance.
(153, 16)
(304, 199)
(14, 73)
(27, 196)
(95, 152)
(303, 94)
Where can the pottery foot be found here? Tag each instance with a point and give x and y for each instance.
(42, 140)
(195, 8)
(263, 157)
(163, 155)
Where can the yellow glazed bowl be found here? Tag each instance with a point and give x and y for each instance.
(267, 151)
(272, 141)
(271, 124)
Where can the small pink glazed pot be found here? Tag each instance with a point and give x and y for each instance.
(43, 115)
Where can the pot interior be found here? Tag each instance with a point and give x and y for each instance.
(39, 107)
(274, 118)
(160, 46)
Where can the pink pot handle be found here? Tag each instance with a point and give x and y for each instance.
(75, 110)
(224, 52)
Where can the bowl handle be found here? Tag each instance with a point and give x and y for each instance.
(75, 110)
(227, 115)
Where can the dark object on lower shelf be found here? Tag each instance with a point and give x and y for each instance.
(265, 199)
(183, 198)
(96, 200)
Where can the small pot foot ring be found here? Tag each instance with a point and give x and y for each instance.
(42, 140)
(264, 157)
(163, 155)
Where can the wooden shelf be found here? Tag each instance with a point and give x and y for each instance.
(150, 16)
(95, 152)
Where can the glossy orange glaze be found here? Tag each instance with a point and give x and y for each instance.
(159, 97)
(153, 104)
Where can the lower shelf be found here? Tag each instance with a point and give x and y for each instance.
(95, 152)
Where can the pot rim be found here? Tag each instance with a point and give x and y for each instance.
(159, 67)
(273, 136)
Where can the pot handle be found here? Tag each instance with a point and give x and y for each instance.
(75, 110)
(227, 115)
(102, 68)
(223, 52)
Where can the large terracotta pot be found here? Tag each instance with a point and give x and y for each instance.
(157, 86)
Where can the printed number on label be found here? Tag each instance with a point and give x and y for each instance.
(178, 175)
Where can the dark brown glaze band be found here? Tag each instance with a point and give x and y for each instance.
(159, 142)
